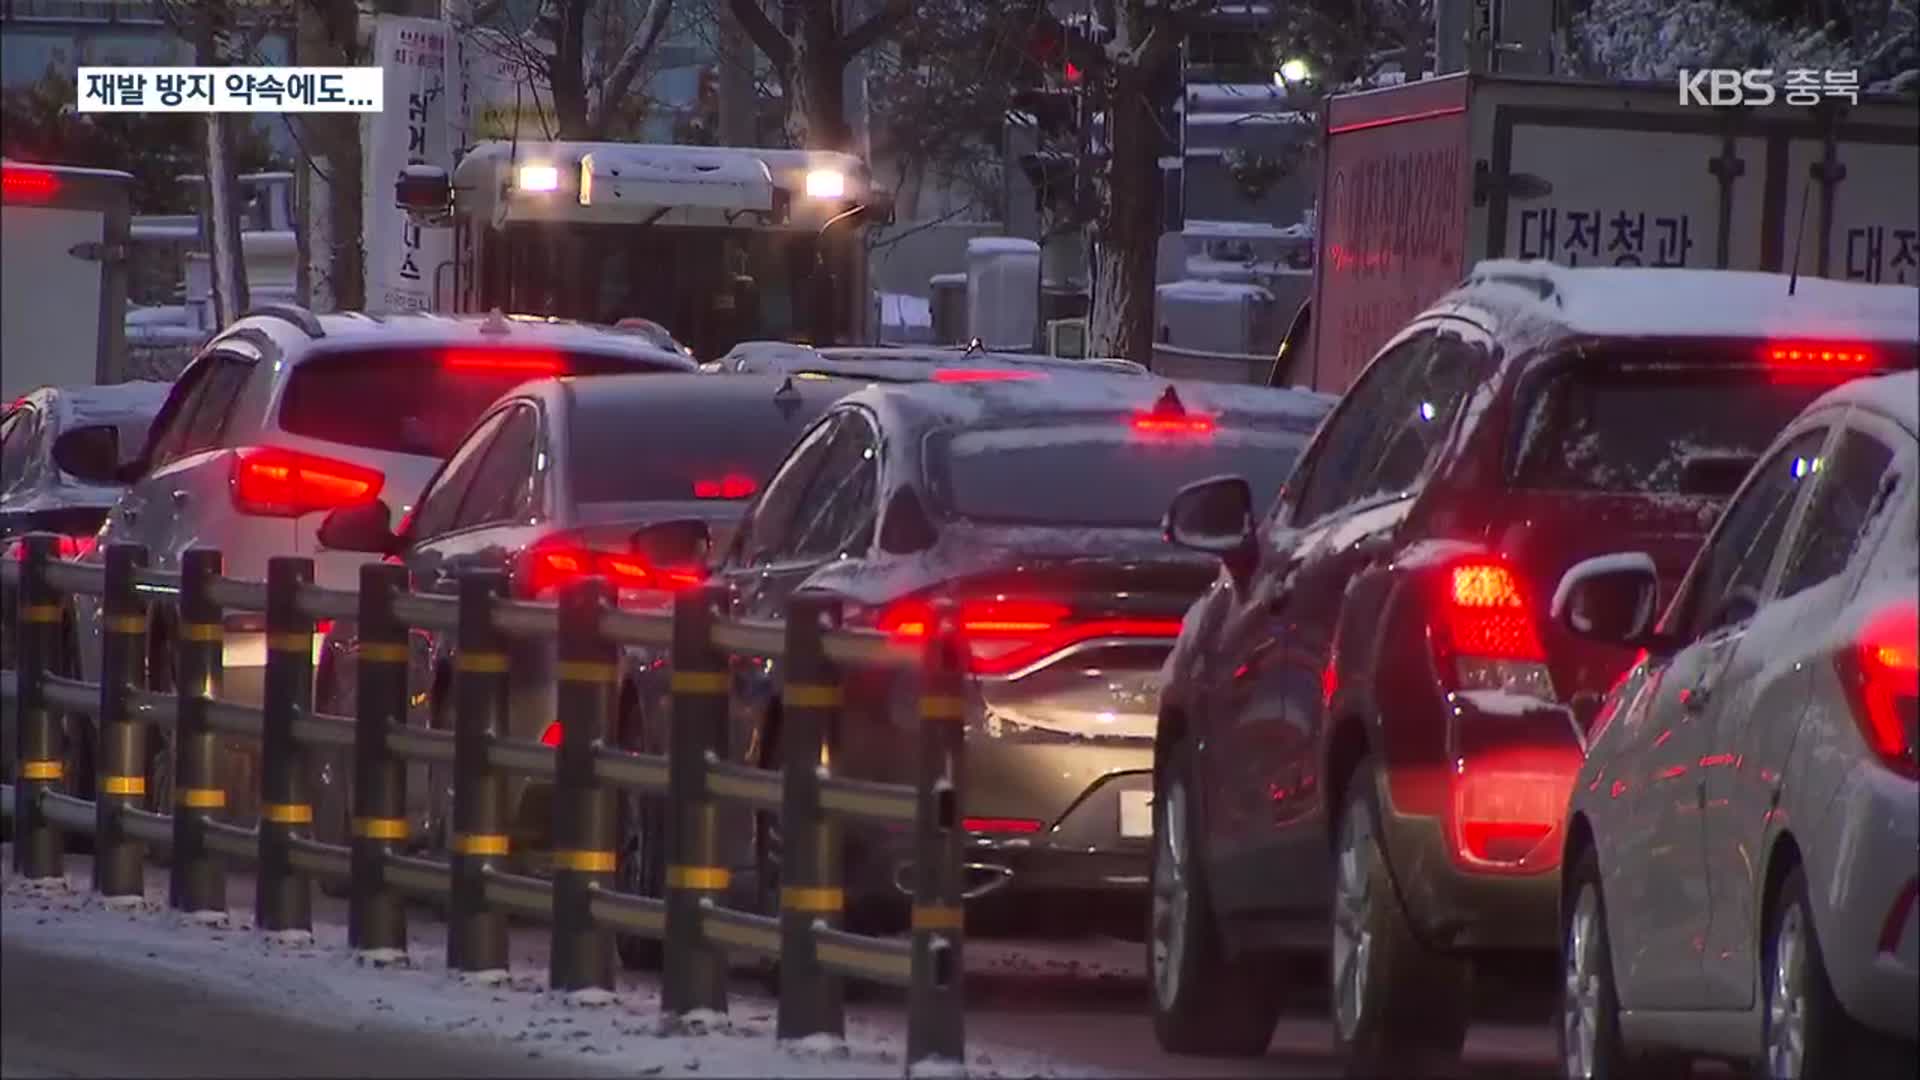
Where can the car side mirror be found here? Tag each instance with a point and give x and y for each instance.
(680, 542)
(90, 453)
(1610, 598)
(1215, 516)
(361, 527)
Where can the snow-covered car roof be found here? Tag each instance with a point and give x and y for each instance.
(430, 330)
(1612, 301)
(129, 406)
(1895, 396)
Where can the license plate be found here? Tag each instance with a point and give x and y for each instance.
(1136, 814)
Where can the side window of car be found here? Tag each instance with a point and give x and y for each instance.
(224, 384)
(502, 487)
(17, 433)
(1727, 584)
(1342, 466)
(1853, 484)
(1451, 371)
(441, 502)
(176, 415)
(784, 495)
(842, 504)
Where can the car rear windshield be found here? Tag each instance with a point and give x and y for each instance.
(1655, 429)
(1101, 474)
(416, 401)
(705, 451)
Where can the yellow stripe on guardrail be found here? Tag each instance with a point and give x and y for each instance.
(202, 631)
(938, 917)
(481, 663)
(587, 671)
(126, 624)
(810, 696)
(479, 844)
(200, 798)
(41, 770)
(711, 683)
(123, 785)
(292, 641)
(382, 652)
(703, 878)
(40, 613)
(798, 898)
(287, 813)
(942, 707)
(586, 862)
(380, 828)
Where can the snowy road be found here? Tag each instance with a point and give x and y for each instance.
(185, 999)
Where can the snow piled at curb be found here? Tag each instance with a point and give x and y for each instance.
(321, 979)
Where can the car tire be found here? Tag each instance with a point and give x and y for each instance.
(1398, 1006)
(1589, 1030)
(1807, 1032)
(1204, 1000)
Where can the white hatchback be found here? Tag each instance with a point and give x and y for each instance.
(287, 415)
(1742, 841)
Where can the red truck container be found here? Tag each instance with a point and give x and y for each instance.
(1421, 181)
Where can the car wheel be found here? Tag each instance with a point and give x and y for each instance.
(1397, 1005)
(1204, 1001)
(1808, 1032)
(1590, 1043)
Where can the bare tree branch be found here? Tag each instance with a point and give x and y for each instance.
(768, 37)
(878, 25)
(652, 25)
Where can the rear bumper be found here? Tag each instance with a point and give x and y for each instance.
(1867, 913)
(1451, 907)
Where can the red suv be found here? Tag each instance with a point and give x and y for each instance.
(1369, 725)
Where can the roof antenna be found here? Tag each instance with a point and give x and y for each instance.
(1170, 403)
(496, 323)
(787, 389)
(974, 346)
(1799, 237)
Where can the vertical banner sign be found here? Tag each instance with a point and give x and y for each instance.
(404, 259)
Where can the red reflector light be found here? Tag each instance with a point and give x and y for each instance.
(323, 627)
(1154, 423)
(730, 486)
(512, 361)
(1502, 841)
(1502, 815)
(1005, 826)
(968, 375)
(1817, 354)
(1486, 614)
(28, 185)
(551, 736)
(288, 483)
(1881, 674)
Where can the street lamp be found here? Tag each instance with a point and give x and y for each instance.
(1292, 73)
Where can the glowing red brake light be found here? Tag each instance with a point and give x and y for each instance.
(550, 736)
(1156, 423)
(65, 547)
(549, 568)
(1817, 354)
(969, 375)
(288, 483)
(28, 185)
(513, 361)
(1486, 614)
(1880, 671)
(1006, 634)
(1002, 826)
(730, 486)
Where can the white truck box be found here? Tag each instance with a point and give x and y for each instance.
(63, 282)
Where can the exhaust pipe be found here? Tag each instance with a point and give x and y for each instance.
(982, 879)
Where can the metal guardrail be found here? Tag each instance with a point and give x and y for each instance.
(580, 902)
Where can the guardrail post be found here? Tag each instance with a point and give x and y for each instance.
(476, 933)
(198, 878)
(936, 1016)
(376, 915)
(696, 972)
(283, 898)
(122, 773)
(37, 845)
(810, 894)
(581, 957)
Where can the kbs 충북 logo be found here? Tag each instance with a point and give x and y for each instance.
(1763, 86)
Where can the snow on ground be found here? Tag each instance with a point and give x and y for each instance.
(321, 979)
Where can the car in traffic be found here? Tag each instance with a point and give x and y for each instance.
(899, 363)
(286, 415)
(630, 478)
(1370, 726)
(1740, 844)
(1035, 505)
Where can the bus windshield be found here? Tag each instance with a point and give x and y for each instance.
(710, 287)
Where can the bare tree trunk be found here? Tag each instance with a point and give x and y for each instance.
(567, 75)
(816, 87)
(739, 112)
(338, 155)
(223, 199)
(1121, 324)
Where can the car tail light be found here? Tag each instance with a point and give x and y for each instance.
(1187, 424)
(730, 486)
(1002, 826)
(545, 569)
(65, 547)
(1880, 671)
(550, 736)
(288, 483)
(1485, 634)
(515, 361)
(1504, 815)
(970, 375)
(1007, 634)
(1817, 355)
(28, 185)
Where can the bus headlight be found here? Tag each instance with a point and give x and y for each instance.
(826, 184)
(538, 178)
